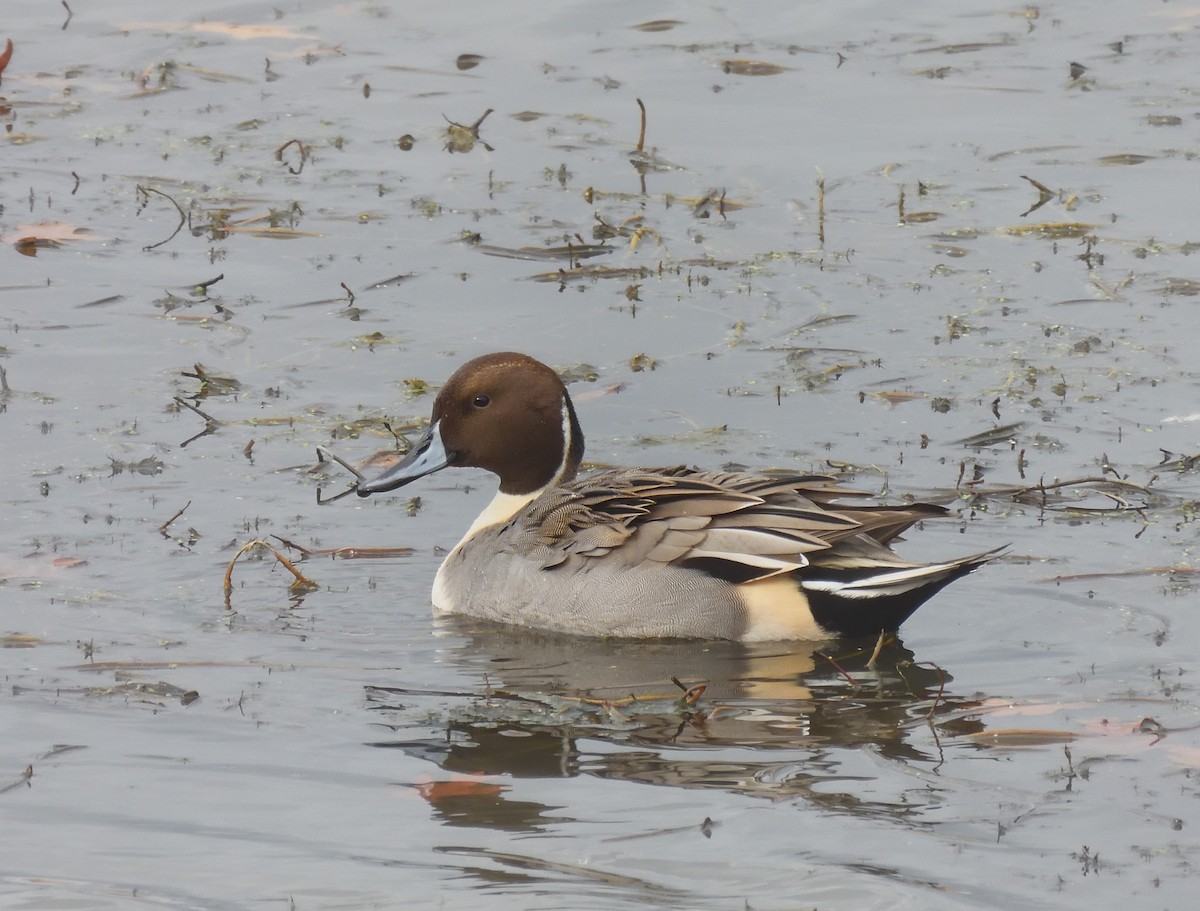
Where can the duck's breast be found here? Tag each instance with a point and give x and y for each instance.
(503, 576)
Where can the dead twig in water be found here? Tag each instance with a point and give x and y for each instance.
(690, 693)
(346, 553)
(1045, 194)
(324, 455)
(941, 692)
(303, 155)
(211, 424)
(325, 501)
(300, 583)
(1174, 460)
(1042, 488)
(146, 191)
(208, 418)
(1124, 574)
(879, 644)
(22, 780)
(937, 699)
(820, 208)
(482, 117)
(837, 667)
(462, 138)
(167, 524)
(203, 287)
(612, 706)
(641, 145)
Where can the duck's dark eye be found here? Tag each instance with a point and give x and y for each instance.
(481, 401)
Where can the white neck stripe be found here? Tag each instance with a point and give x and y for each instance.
(568, 439)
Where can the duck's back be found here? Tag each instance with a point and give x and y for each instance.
(672, 553)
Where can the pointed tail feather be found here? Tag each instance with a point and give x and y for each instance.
(867, 602)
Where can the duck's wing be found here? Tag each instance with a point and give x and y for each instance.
(739, 527)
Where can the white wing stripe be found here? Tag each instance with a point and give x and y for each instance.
(882, 584)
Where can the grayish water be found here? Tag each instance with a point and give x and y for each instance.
(1031, 744)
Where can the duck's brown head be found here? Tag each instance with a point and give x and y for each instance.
(504, 412)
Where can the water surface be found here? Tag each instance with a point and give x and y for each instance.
(832, 253)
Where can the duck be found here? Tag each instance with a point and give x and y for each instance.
(653, 553)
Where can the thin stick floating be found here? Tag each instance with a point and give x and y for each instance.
(300, 582)
(146, 191)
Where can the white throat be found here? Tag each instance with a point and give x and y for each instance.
(502, 508)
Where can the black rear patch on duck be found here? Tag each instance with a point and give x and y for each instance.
(864, 616)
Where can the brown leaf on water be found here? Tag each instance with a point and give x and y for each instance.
(1000, 708)
(20, 640)
(1021, 737)
(1188, 287)
(752, 68)
(54, 230)
(36, 565)
(268, 232)
(996, 436)
(591, 272)
(956, 251)
(1112, 734)
(29, 238)
(212, 383)
(1169, 570)
(28, 246)
(7, 55)
(1125, 158)
(437, 791)
(969, 47)
(1051, 230)
(716, 197)
(657, 25)
(592, 394)
(568, 252)
(229, 29)
(347, 553)
(898, 398)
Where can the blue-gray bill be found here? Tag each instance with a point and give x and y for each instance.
(428, 456)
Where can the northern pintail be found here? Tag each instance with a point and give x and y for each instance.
(652, 552)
